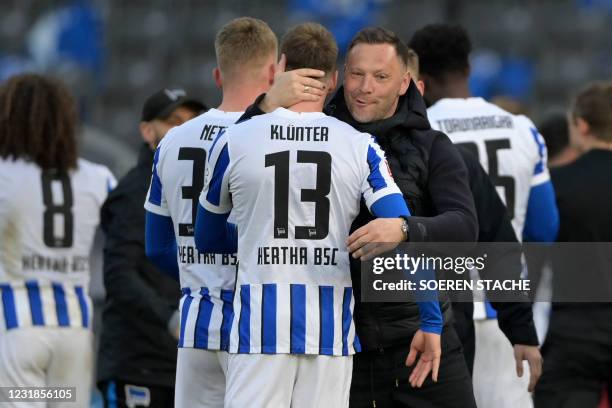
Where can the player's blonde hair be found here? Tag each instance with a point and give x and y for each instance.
(593, 104)
(310, 45)
(244, 43)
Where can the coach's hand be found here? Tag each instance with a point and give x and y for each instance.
(376, 237)
(292, 87)
(534, 358)
(428, 344)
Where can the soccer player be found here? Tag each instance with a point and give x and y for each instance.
(294, 179)
(137, 356)
(378, 97)
(494, 225)
(514, 154)
(50, 201)
(246, 50)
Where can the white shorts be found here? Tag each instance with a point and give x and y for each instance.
(288, 380)
(200, 378)
(495, 381)
(47, 357)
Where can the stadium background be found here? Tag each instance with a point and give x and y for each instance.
(115, 53)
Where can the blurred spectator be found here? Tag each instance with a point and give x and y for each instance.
(137, 357)
(555, 131)
(578, 349)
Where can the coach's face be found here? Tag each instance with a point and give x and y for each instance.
(374, 80)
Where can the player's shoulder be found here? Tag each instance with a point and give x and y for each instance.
(95, 173)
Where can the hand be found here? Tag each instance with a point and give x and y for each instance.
(376, 237)
(292, 87)
(534, 358)
(428, 344)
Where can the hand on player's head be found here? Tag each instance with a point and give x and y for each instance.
(291, 87)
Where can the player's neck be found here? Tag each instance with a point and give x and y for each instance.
(456, 89)
(237, 99)
(307, 107)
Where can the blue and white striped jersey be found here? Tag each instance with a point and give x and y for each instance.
(207, 280)
(294, 183)
(47, 227)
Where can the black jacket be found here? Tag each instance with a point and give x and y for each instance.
(494, 225)
(135, 344)
(433, 179)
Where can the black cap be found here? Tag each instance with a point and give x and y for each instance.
(162, 103)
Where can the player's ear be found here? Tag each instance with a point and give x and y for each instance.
(405, 82)
(333, 82)
(421, 87)
(147, 132)
(271, 73)
(584, 130)
(216, 73)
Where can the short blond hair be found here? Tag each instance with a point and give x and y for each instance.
(310, 45)
(244, 42)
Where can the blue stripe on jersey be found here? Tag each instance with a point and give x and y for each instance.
(346, 318)
(298, 319)
(205, 310)
(244, 322)
(376, 179)
(491, 313)
(539, 167)
(268, 318)
(214, 190)
(60, 305)
(390, 206)
(214, 143)
(184, 313)
(38, 319)
(227, 296)
(156, 186)
(356, 344)
(326, 320)
(8, 305)
(82, 305)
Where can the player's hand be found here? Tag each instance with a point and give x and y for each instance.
(428, 344)
(376, 237)
(534, 358)
(292, 87)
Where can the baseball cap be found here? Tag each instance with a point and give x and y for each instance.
(163, 102)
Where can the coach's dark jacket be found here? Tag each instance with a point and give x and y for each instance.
(135, 345)
(433, 179)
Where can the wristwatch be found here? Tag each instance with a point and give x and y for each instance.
(404, 227)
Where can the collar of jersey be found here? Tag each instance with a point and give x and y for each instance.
(304, 115)
(223, 114)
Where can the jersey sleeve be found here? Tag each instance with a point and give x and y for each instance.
(155, 201)
(215, 196)
(540, 154)
(378, 186)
